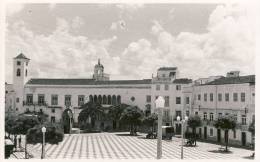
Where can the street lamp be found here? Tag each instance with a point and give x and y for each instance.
(183, 121)
(159, 104)
(43, 142)
(70, 116)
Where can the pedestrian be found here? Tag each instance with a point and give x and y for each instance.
(20, 141)
(15, 142)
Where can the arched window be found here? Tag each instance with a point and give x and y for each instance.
(104, 99)
(118, 99)
(109, 100)
(18, 72)
(26, 72)
(114, 100)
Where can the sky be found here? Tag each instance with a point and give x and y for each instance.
(132, 40)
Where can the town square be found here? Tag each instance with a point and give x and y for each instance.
(129, 81)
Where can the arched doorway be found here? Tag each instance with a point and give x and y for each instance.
(95, 98)
(118, 99)
(109, 100)
(104, 99)
(113, 100)
(99, 99)
(90, 98)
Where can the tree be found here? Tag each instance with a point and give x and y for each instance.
(52, 135)
(150, 120)
(66, 121)
(91, 111)
(115, 113)
(132, 116)
(193, 123)
(226, 123)
(252, 130)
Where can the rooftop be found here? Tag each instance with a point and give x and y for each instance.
(21, 56)
(167, 68)
(233, 80)
(42, 81)
(182, 81)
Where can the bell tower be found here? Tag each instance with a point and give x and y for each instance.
(20, 77)
(99, 72)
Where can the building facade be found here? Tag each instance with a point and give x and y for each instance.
(207, 97)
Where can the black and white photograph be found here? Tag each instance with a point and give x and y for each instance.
(137, 81)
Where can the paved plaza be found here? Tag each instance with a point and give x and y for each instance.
(122, 146)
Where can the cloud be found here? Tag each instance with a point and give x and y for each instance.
(228, 45)
(60, 54)
(52, 6)
(120, 24)
(14, 8)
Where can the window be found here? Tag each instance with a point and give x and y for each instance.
(211, 97)
(211, 117)
(178, 113)
(205, 116)
(53, 110)
(205, 96)
(166, 87)
(166, 114)
(226, 97)
(211, 132)
(167, 102)
(199, 96)
(40, 99)
(67, 100)
(243, 119)
(243, 97)
(148, 98)
(54, 99)
(235, 97)
(235, 117)
(26, 72)
(188, 113)
(220, 97)
(18, 72)
(158, 87)
(16, 109)
(53, 119)
(29, 98)
(187, 100)
(18, 63)
(178, 100)
(234, 134)
(219, 114)
(17, 99)
(196, 113)
(178, 87)
(81, 100)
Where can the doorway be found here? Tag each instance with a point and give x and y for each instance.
(243, 140)
(219, 135)
(205, 132)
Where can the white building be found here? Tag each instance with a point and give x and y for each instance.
(234, 95)
(207, 97)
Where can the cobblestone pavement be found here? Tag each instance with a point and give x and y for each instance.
(122, 146)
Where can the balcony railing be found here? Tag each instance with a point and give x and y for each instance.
(25, 103)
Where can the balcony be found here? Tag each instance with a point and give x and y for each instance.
(25, 103)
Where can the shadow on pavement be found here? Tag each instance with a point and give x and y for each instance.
(221, 152)
(127, 135)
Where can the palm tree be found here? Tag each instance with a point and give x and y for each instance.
(132, 116)
(90, 111)
(115, 113)
(226, 123)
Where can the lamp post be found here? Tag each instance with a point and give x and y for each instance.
(183, 121)
(70, 116)
(43, 142)
(159, 104)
